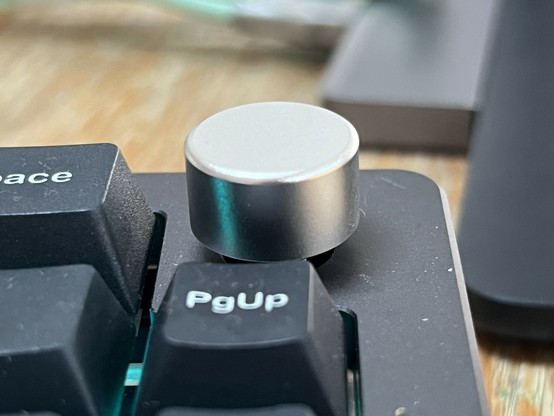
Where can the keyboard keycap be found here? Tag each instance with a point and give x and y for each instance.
(65, 342)
(75, 204)
(242, 336)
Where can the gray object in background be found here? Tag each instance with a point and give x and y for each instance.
(408, 74)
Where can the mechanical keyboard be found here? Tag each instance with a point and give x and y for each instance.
(273, 278)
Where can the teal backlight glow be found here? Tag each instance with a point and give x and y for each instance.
(225, 212)
(215, 8)
(134, 373)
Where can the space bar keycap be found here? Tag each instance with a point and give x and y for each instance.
(75, 204)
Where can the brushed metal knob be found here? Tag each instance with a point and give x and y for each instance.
(273, 181)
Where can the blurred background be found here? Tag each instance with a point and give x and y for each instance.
(142, 75)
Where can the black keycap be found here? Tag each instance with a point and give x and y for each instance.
(75, 204)
(65, 342)
(245, 335)
(283, 410)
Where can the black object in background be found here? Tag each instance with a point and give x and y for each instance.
(409, 72)
(507, 229)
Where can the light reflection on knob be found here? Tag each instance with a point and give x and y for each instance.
(273, 181)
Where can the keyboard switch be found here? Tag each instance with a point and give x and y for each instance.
(244, 336)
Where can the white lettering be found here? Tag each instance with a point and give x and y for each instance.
(226, 304)
(194, 297)
(33, 178)
(14, 179)
(223, 304)
(275, 301)
(243, 304)
(61, 177)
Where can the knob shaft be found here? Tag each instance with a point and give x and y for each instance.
(273, 181)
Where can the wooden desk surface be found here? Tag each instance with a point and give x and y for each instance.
(142, 78)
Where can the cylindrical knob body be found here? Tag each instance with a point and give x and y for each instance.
(273, 181)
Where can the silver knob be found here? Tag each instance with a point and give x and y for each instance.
(273, 181)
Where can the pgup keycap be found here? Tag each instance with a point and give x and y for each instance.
(75, 204)
(231, 336)
(65, 342)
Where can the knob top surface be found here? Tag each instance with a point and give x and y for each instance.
(274, 142)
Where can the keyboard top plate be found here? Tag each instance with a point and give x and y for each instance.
(397, 273)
